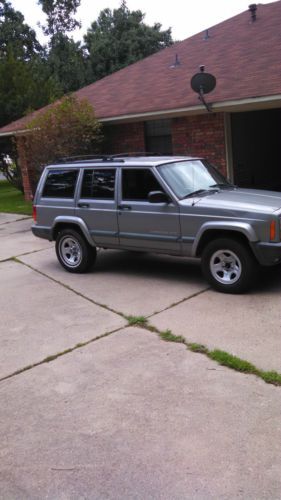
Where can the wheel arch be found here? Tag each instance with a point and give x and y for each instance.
(75, 223)
(208, 232)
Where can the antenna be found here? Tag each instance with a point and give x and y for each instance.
(176, 63)
(207, 35)
(202, 83)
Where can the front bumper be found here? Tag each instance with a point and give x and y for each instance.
(268, 254)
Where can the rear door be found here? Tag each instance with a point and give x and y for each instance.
(151, 226)
(97, 204)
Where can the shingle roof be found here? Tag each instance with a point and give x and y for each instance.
(243, 55)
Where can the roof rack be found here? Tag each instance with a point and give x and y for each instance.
(136, 153)
(85, 158)
(104, 157)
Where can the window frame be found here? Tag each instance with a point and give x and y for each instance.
(59, 170)
(93, 168)
(137, 167)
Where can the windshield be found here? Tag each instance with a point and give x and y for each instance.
(187, 177)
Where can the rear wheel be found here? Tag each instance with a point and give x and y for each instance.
(228, 265)
(74, 252)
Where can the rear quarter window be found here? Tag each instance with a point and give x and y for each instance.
(60, 184)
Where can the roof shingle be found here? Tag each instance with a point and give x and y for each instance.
(244, 56)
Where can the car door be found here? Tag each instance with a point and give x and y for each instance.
(97, 204)
(145, 225)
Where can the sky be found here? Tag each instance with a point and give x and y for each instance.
(185, 17)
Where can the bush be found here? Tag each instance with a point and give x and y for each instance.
(66, 128)
(10, 169)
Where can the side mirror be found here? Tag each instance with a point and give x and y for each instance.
(158, 197)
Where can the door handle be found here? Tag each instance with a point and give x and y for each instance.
(83, 205)
(124, 207)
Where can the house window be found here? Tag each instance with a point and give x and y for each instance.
(158, 137)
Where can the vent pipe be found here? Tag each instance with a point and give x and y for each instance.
(253, 10)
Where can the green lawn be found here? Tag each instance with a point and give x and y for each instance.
(12, 200)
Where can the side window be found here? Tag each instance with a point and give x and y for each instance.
(137, 183)
(98, 183)
(60, 184)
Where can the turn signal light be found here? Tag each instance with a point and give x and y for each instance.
(34, 214)
(272, 230)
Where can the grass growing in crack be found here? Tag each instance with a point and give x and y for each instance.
(238, 364)
(168, 336)
(137, 320)
(271, 377)
(221, 357)
(197, 348)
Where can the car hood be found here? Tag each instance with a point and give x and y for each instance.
(251, 200)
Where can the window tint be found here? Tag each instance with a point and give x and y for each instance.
(60, 184)
(98, 183)
(137, 183)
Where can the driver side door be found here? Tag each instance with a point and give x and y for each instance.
(145, 225)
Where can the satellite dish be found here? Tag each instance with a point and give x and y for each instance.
(203, 83)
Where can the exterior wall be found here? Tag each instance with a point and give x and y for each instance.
(125, 138)
(26, 169)
(202, 135)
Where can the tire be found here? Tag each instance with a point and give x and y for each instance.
(73, 252)
(229, 266)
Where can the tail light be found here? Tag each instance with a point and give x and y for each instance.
(272, 230)
(34, 213)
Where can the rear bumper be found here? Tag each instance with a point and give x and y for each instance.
(42, 232)
(267, 254)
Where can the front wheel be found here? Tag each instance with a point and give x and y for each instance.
(228, 265)
(73, 251)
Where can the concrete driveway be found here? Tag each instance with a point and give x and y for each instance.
(93, 408)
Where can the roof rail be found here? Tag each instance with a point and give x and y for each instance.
(85, 158)
(136, 153)
(104, 157)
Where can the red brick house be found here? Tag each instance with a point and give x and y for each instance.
(150, 106)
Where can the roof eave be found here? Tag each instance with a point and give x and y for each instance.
(14, 132)
(233, 105)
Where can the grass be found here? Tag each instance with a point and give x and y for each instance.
(137, 321)
(168, 336)
(221, 357)
(225, 359)
(12, 201)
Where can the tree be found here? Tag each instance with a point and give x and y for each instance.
(66, 63)
(119, 38)
(15, 35)
(60, 15)
(64, 129)
(24, 87)
(25, 83)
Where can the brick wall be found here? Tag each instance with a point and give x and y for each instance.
(201, 135)
(26, 169)
(125, 138)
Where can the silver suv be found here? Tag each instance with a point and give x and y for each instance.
(174, 205)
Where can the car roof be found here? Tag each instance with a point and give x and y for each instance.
(120, 161)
